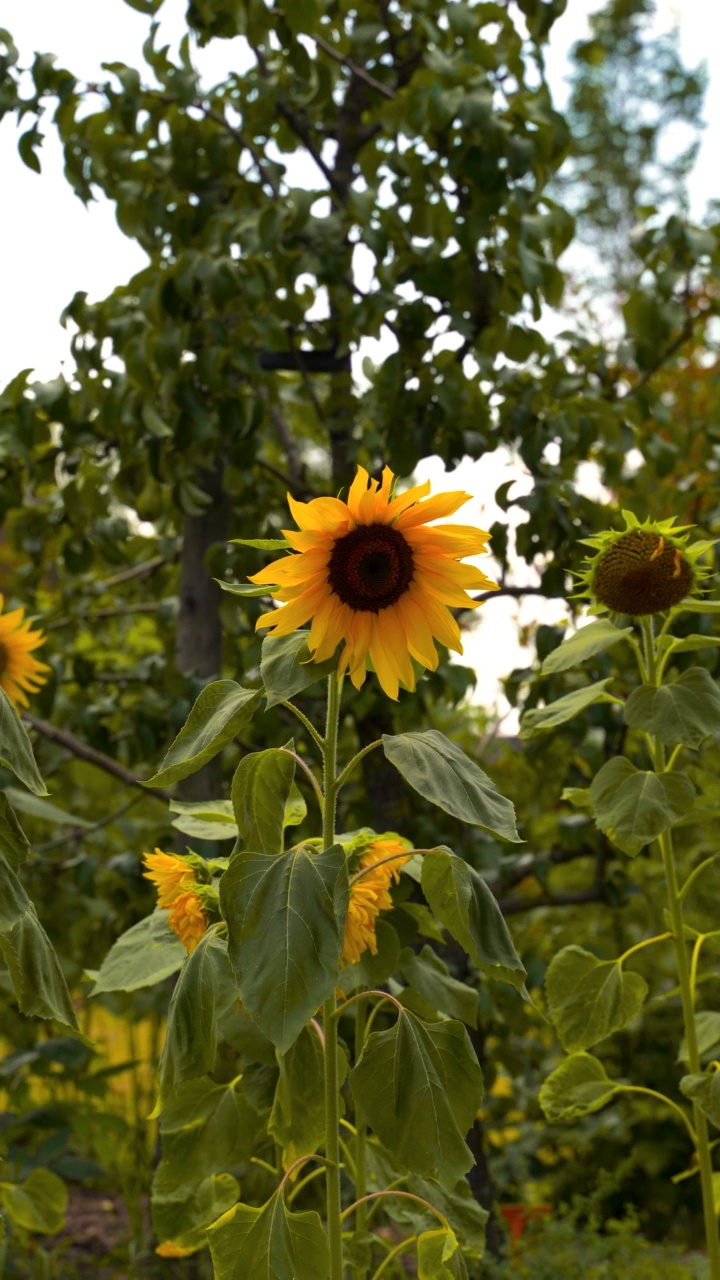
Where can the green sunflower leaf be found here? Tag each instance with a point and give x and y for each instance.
(420, 1086)
(16, 752)
(439, 1256)
(287, 667)
(40, 987)
(205, 819)
(577, 1087)
(589, 999)
(269, 1244)
(633, 807)
(462, 901)
(247, 589)
(145, 954)
(13, 841)
(540, 719)
(221, 712)
(442, 773)
(261, 544)
(297, 1119)
(594, 638)
(203, 992)
(704, 1091)
(37, 1204)
(290, 907)
(686, 711)
(260, 793)
(430, 976)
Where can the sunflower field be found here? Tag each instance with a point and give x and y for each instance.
(359, 701)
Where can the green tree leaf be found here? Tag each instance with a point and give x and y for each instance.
(687, 711)
(633, 806)
(430, 976)
(37, 1204)
(221, 712)
(420, 1087)
(704, 1091)
(16, 752)
(145, 954)
(204, 990)
(540, 719)
(462, 901)
(260, 792)
(439, 1256)
(588, 998)
(290, 907)
(205, 819)
(287, 667)
(269, 1244)
(594, 638)
(577, 1087)
(39, 982)
(443, 774)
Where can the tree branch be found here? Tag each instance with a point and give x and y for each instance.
(353, 68)
(80, 749)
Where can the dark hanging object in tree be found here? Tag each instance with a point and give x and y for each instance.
(316, 361)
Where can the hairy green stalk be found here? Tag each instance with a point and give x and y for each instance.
(674, 900)
(332, 1116)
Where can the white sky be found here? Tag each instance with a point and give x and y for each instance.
(54, 246)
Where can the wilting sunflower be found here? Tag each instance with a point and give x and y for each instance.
(20, 673)
(647, 568)
(178, 889)
(375, 574)
(370, 895)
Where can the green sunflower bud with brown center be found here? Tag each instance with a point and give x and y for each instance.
(648, 568)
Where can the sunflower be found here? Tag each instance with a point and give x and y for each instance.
(188, 920)
(20, 673)
(170, 874)
(648, 568)
(370, 895)
(375, 575)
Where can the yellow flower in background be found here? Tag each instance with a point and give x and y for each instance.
(374, 574)
(188, 920)
(20, 673)
(370, 895)
(170, 875)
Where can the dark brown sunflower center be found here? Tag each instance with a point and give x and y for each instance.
(371, 567)
(642, 573)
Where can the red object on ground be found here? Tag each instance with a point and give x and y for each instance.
(517, 1217)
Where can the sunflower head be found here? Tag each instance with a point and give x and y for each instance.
(20, 673)
(172, 874)
(376, 577)
(646, 568)
(188, 919)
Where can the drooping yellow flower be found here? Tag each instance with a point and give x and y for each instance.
(370, 895)
(188, 920)
(20, 673)
(170, 875)
(170, 1249)
(374, 573)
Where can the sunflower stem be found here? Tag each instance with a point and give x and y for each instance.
(674, 900)
(332, 1116)
(360, 1272)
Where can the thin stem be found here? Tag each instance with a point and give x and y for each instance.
(673, 757)
(360, 1143)
(301, 1185)
(331, 1083)
(360, 995)
(661, 1097)
(356, 760)
(296, 1165)
(316, 737)
(694, 875)
(639, 945)
(639, 657)
(686, 980)
(285, 751)
(403, 1247)
(403, 1195)
(694, 964)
